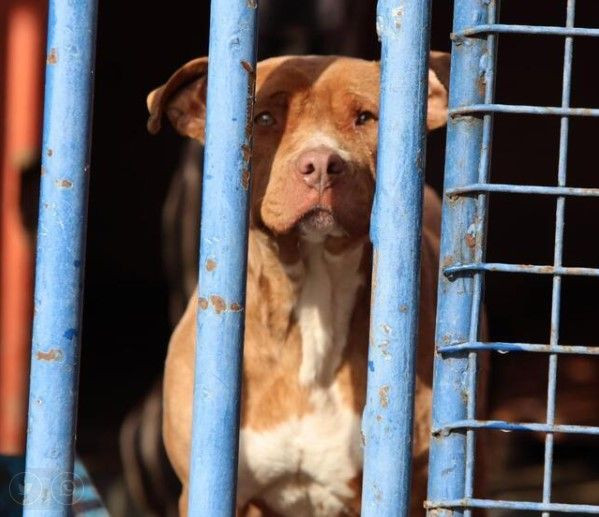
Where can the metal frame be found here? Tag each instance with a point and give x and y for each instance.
(467, 187)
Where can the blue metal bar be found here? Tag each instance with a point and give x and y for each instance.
(517, 347)
(60, 257)
(500, 425)
(498, 28)
(503, 188)
(517, 109)
(557, 257)
(223, 258)
(442, 505)
(457, 269)
(470, 63)
(404, 28)
(478, 232)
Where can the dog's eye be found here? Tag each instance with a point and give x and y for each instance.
(264, 119)
(363, 117)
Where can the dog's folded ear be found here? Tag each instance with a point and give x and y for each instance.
(438, 86)
(183, 99)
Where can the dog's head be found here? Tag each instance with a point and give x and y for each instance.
(315, 137)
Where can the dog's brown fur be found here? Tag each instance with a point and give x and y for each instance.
(299, 229)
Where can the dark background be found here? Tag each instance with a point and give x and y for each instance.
(126, 327)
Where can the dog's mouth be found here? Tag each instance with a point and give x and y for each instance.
(318, 223)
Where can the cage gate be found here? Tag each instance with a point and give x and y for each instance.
(466, 191)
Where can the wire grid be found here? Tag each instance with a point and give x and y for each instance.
(479, 267)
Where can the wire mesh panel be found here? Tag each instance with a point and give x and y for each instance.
(466, 192)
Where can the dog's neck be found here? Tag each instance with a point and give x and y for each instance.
(325, 277)
(324, 309)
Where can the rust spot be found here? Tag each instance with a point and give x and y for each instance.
(203, 303)
(464, 396)
(64, 183)
(246, 150)
(248, 67)
(470, 240)
(235, 307)
(43, 171)
(384, 396)
(210, 265)
(51, 355)
(245, 179)
(482, 85)
(249, 116)
(218, 303)
(403, 308)
(447, 261)
(50, 152)
(52, 57)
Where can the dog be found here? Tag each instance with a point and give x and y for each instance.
(308, 284)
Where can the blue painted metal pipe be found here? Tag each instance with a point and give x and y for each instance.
(499, 28)
(536, 348)
(452, 384)
(511, 426)
(515, 505)
(223, 258)
(457, 269)
(404, 28)
(504, 188)
(518, 109)
(60, 257)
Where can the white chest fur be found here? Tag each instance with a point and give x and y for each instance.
(324, 310)
(303, 466)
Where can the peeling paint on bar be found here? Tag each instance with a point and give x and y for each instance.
(60, 253)
(223, 258)
(403, 27)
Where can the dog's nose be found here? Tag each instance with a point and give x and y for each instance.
(320, 167)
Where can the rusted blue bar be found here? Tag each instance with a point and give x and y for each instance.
(60, 258)
(514, 505)
(451, 454)
(537, 30)
(223, 258)
(519, 109)
(501, 425)
(518, 347)
(461, 269)
(404, 28)
(504, 188)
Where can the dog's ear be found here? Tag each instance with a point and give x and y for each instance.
(183, 99)
(438, 86)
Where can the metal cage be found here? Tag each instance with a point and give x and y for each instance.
(404, 27)
(466, 191)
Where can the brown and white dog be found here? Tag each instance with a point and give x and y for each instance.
(308, 285)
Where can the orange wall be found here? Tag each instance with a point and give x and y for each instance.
(22, 42)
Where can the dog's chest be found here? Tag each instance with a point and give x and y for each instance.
(304, 466)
